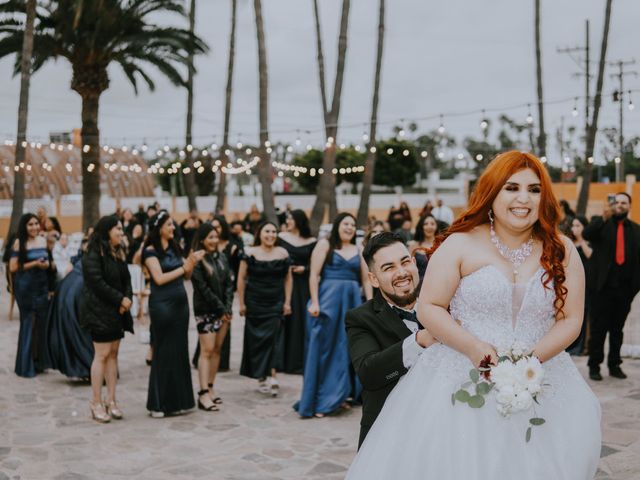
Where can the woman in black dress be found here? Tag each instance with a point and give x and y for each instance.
(106, 300)
(585, 251)
(264, 293)
(30, 265)
(297, 240)
(170, 387)
(212, 302)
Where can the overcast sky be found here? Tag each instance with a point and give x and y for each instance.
(439, 57)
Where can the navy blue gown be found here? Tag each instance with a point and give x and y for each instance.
(329, 379)
(170, 387)
(31, 288)
(70, 347)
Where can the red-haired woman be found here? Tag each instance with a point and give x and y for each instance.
(506, 274)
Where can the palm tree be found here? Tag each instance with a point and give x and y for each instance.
(189, 178)
(264, 167)
(23, 110)
(583, 196)
(370, 162)
(542, 136)
(227, 108)
(325, 193)
(91, 35)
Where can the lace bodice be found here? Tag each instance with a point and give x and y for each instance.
(497, 311)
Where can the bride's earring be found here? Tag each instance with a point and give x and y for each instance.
(491, 217)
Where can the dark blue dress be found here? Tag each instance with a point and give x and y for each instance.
(292, 335)
(170, 387)
(328, 377)
(70, 347)
(31, 288)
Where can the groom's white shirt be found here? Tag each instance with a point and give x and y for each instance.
(411, 351)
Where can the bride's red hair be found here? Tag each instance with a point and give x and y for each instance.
(545, 229)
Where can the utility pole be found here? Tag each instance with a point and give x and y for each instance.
(586, 73)
(618, 96)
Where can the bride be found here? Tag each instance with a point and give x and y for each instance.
(507, 275)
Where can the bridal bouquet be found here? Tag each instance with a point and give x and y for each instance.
(517, 380)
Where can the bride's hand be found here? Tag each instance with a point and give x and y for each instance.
(480, 351)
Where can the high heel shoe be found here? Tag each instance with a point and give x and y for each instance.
(275, 387)
(216, 400)
(114, 411)
(98, 413)
(201, 406)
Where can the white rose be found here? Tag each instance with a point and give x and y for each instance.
(506, 395)
(523, 401)
(503, 374)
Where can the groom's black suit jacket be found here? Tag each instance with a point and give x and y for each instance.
(375, 334)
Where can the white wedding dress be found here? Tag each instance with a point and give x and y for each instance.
(421, 435)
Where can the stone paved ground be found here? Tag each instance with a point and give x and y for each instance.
(46, 432)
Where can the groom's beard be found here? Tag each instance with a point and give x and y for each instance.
(403, 300)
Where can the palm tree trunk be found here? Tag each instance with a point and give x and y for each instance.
(370, 162)
(189, 178)
(23, 110)
(220, 196)
(264, 167)
(325, 193)
(90, 175)
(542, 136)
(583, 196)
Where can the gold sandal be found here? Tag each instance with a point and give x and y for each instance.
(98, 413)
(114, 411)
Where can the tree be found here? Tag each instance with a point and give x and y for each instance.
(542, 136)
(370, 163)
(91, 35)
(222, 184)
(583, 196)
(264, 167)
(396, 164)
(23, 110)
(189, 178)
(325, 194)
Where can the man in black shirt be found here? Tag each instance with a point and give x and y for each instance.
(615, 281)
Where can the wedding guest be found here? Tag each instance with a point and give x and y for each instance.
(62, 256)
(585, 251)
(212, 303)
(141, 215)
(188, 228)
(566, 218)
(299, 242)
(253, 219)
(426, 231)
(135, 243)
(232, 248)
(29, 265)
(337, 271)
(396, 217)
(70, 346)
(128, 222)
(170, 387)
(377, 227)
(41, 213)
(264, 295)
(426, 209)
(106, 302)
(442, 213)
(615, 240)
(385, 337)
(405, 232)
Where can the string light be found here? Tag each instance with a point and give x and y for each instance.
(441, 128)
(631, 105)
(484, 124)
(529, 116)
(574, 112)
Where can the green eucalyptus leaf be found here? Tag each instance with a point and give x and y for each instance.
(528, 436)
(503, 358)
(536, 421)
(462, 396)
(474, 374)
(483, 388)
(466, 385)
(476, 401)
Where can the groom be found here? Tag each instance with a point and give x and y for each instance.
(385, 338)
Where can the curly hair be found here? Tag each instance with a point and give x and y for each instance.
(545, 229)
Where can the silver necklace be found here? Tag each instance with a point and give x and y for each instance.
(516, 256)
